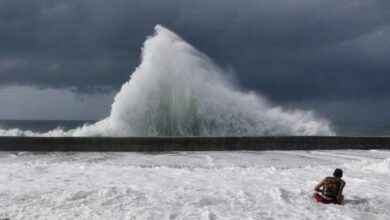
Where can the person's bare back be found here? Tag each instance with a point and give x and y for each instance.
(330, 189)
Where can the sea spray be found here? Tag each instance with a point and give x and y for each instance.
(179, 91)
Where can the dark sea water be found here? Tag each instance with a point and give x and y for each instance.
(42, 125)
(342, 128)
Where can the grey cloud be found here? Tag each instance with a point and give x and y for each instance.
(32, 103)
(290, 50)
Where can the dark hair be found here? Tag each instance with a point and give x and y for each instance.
(338, 173)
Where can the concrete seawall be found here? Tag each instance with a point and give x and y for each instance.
(150, 144)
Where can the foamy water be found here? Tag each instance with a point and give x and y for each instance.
(179, 91)
(198, 185)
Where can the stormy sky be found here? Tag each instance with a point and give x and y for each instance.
(66, 59)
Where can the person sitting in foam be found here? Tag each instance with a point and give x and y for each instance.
(332, 189)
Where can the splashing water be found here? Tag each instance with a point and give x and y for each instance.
(178, 91)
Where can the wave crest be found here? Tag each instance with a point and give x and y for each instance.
(179, 91)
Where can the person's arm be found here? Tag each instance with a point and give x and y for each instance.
(339, 196)
(317, 188)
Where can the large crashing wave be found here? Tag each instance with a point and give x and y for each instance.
(178, 91)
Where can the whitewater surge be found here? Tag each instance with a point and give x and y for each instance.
(179, 91)
(196, 185)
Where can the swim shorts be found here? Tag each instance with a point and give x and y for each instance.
(321, 199)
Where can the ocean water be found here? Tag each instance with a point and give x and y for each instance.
(42, 126)
(342, 128)
(191, 185)
(362, 128)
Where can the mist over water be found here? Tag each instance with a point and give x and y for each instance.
(178, 91)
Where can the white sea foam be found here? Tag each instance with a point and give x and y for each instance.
(178, 91)
(191, 185)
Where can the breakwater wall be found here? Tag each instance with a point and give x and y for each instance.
(158, 144)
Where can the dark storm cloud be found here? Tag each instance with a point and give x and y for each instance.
(290, 50)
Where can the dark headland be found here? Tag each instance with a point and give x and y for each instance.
(159, 144)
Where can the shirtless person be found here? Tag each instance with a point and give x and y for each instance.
(332, 189)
